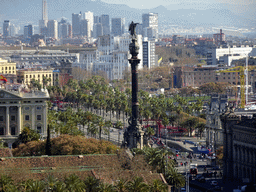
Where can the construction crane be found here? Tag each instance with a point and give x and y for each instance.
(243, 72)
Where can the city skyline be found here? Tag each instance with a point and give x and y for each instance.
(207, 15)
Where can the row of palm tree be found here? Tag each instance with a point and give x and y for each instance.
(96, 95)
(73, 183)
(68, 122)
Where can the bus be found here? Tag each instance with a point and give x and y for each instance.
(160, 128)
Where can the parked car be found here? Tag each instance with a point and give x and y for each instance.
(183, 189)
(214, 183)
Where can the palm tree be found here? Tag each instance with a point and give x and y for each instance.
(137, 185)
(108, 124)
(119, 125)
(174, 178)
(74, 183)
(104, 187)
(158, 186)
(4, 181)
(60, 187)
(91, 184)
(121, 185)
(35, 186)
(101, 124)
(50, 182)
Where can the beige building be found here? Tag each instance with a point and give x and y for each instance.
(197, 76)
(26, 75)
(19, 109)
(8, 70)
(7, 67)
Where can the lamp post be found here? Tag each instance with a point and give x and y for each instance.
(133, 136)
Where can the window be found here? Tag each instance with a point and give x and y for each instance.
(39, 129)
(38, 108)
(39, 117)
(1, 118)
(12, 118)
(27, 117)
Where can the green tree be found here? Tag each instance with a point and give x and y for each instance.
(158, 186)
(28, 135)
(137, 185)
(91, 184)
(190, 123)
(74, 183)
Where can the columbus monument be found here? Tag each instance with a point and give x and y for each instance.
(133, 136)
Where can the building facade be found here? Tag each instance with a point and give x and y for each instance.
(150, 25)
(89, 17)
(111, 57)
(117, 26)
(239, 147)
(76, 18)
(6, 28)
(52, 29)
(149, 56)
(19, 109)
(25, 76)
(225, 55)
(104, 20)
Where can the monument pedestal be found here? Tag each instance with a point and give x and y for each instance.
(133, 137)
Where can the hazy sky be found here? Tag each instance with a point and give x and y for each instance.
(147, 4)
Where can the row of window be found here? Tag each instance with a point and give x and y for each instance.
(6, 68)
(13, 130)
(7, 72)
(30, 76)
(27, 117)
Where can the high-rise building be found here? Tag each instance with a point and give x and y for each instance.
(45, 11)
(149, 57)
(97, 30)
(28, 31)
(52, 29)
(6, 28)
(84, 28)
(89, 16)
(76, 18)
(117, 26)
(96, 19)
(63, 29)
(104, 20)
(150, 20)
(43, 22)
(138, 29)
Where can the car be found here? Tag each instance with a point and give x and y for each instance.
(214, 183)
(183, 189)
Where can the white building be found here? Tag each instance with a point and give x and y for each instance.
(52, 29)
(89, 17)
(111, 57)
(226, 55)
(150, 25)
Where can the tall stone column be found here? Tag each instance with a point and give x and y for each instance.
(133, 136)
(19, 120)
(7, 132)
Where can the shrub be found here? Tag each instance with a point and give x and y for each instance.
(66, 145)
